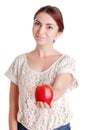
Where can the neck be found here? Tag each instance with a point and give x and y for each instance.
(43, 51)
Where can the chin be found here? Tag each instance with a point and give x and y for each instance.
(40, 42)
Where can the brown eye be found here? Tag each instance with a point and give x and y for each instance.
(49, 27)
(36, 23)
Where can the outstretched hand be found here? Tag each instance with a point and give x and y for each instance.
(44, 104)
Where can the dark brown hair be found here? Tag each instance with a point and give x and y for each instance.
(55, 13)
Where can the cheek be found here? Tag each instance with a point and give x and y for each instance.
(55, 35)
(52, 36)
(33, 31)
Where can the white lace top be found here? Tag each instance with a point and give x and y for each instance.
(31, 116)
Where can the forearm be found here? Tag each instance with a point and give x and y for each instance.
(57, 93)
(13, 107)
(61, 85)
(12, 122)
(13, 125)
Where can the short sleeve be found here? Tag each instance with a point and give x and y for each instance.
(67, 65)
(12, 72)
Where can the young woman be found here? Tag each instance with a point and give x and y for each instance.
(43, 65)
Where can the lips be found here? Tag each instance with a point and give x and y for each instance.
(40, 37)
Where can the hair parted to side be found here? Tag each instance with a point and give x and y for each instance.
(55, 13)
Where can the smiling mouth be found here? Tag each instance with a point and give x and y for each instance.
(40, 38)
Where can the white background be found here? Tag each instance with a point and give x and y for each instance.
(16, 18)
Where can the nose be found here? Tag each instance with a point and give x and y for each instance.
(41, 30)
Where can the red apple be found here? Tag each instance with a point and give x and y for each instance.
(44, 93)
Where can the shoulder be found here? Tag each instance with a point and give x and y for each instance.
(20, 57)
(18, 60)
(66, 58)
(66, 62)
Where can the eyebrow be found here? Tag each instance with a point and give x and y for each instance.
(46, 24)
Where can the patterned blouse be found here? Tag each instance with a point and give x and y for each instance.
(29, 115)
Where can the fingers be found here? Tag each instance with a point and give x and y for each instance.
(46, 105)
(43, 105)
(51, 104)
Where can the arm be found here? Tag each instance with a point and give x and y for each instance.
(61, 84)
(59, 87)
(13, 106)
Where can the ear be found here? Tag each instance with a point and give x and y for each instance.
(59, 34)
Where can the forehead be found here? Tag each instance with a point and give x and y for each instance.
(45, 18)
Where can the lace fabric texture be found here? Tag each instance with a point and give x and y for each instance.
(31, 116)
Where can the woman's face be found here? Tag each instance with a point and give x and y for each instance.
(45, 29)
